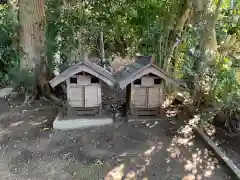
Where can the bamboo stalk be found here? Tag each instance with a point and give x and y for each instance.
(102, 50)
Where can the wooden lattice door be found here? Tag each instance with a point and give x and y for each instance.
(154, 97)
(91, 96)
(140, 97)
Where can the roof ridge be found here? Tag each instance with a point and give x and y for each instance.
(93, 63)
(144, 60)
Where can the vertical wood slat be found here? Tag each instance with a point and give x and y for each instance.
(76, 96)
(99, 94)
(128, 107)
(68, 90)
(91, 93)
(147, 98)
(154, 94)
(84, 95)
(163, 86)
(139, 97)
(99, 99)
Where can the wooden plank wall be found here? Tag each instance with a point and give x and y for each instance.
(147, 98)
(84, 94)
(147, 94)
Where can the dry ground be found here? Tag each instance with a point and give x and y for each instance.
(150, 151)
(228, 144)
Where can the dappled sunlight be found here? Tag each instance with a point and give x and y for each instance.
(210, 130)
(150, 124)
(117, 173)
(185, 141)
(190, 177)
(167, 102)
(149, 151)
(39, 122)
(182, 151)
(137, 151)
(16, 124)
(200, 164)
(171, 113)
(137, 166)
(174, 153)
(123, 154)
(131, 175)
(4, 132)
(194, 120)
(185, 130)
(35, 123)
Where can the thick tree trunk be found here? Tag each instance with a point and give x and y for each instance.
(208, 40)
(32, 21)
(32, 40)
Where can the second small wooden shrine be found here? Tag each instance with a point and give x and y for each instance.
(145, 87)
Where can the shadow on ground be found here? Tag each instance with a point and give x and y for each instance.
(164, 149)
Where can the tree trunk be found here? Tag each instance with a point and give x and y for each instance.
(32, 21)
(32, 40)
(175, 40)
(176, 36)
(208, 40)
(208, 47)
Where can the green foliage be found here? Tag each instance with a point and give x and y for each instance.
(187, 56)
(128, 27)
(226, 86)
(9, 55)
(131, 27)
(53, 13)
(19, 78)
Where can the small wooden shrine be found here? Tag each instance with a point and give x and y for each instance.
(84, 87)
(145, 87)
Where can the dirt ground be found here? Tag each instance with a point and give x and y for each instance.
(229, 145)
(30, 149)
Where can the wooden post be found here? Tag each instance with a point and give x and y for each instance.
(100, 109)
(84, 96)
(69, 110)
(163, 91)
(128, 101)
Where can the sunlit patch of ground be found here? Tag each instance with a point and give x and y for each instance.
(134, 151)
(179, 156)
(201, 164)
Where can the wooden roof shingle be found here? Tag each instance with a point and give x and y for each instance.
(86, 66)
(142, 66)
(141, 61)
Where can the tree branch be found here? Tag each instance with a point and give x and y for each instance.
(217, 12)
(175, 38)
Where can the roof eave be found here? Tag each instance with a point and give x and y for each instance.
(54, 82)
